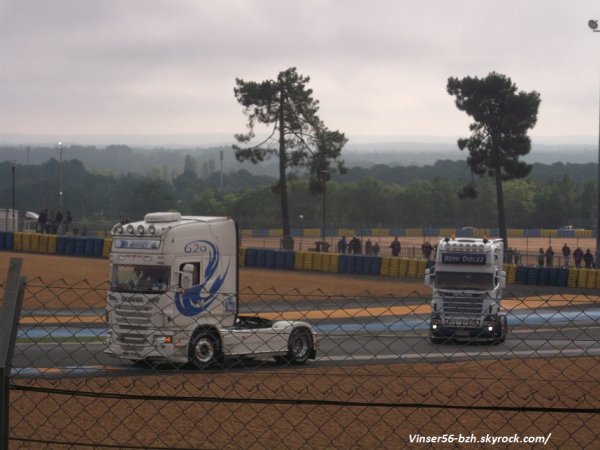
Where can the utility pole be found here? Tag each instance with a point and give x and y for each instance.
(60, 193)
(593, 24)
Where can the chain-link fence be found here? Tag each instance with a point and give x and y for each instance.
(99, 370)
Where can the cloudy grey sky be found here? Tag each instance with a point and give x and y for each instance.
(378, 68)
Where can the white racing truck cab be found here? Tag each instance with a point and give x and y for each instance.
(467, 282)
(173, 297)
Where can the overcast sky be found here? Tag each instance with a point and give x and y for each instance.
(378, 68)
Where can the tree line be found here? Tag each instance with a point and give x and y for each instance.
(538, 201)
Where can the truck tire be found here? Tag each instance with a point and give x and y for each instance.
(205, 350)
(436, 340)
(300, 346)
(502, 330)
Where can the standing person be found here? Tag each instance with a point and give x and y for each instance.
(517, 256)
(426, 248)
(549, 257)
(342, 245)
(541, 256)
(578, 256)
(354, 246)
(588, 259)
(566, 251)
(395, 246)
(42, 221)
(368, 247)
(68, 220)
(57, 221)
(376, 248)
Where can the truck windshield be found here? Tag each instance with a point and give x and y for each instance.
(129, 277)
(464, 280)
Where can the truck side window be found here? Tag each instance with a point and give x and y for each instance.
(195, 274)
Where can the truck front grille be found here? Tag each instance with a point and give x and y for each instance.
(132, 323)
(456, 307)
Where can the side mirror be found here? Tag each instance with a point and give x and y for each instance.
(429, 277)
(187, 276)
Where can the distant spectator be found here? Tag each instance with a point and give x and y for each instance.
(42, 219)
(355, 246)
(395, 246)
(541, 256)
(426, 248)
(578, 256)
(549, 257)
(588, 259)
(376, 248)
(57, 221)
(342, 245)
(508, 257)
(68, 220)
(517, 256)
(566, 251)
(368, 247)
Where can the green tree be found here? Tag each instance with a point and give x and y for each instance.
(298, 136)
(498, 138)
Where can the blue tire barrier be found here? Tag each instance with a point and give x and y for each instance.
(543, 276)
(563, 276)
(10, 241)
(464, 233)
(79, 246)
(88, 246)
(2, 240)
(261, 257)
(565, 233)
(98, 247)
(343, 264)
(290, 260)
(522, 274)
(61, 243)
(251, 257)
(375, 265)
(359, 264)
(280, 259)
(553, 277)
(270, 259)
(533, 275)
(70, 244)
(351, 267)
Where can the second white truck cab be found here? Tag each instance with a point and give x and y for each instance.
(467, 282)
(173, 296)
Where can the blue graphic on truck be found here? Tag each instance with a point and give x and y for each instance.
(198, 298)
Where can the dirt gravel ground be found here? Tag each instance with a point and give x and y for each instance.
(363, 405)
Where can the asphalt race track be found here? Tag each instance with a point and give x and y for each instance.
(62, 343)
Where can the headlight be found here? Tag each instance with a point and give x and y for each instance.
(118, 229)
(152, 229)
(130, 229)
(140, 229)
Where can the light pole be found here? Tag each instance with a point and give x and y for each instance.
(593, 24)
(13, 196)
(324, 177)
(60, 193)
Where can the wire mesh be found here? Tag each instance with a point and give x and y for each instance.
(376, 380)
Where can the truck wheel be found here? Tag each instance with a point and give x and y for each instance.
(436, 340)
(502, 326)
(205, 350)
(300, 345)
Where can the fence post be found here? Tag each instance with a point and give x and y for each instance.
(10, 311)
